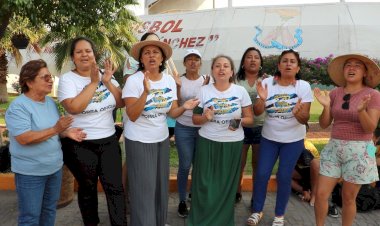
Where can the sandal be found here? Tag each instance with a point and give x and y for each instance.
(254, 219)
(278, 221)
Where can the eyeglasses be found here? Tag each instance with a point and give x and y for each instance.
(346, 103)
(47, 77)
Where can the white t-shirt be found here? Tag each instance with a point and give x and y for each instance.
(150, 126)
(280, 124)
(189, 90)
(96, 119)
(227, 105)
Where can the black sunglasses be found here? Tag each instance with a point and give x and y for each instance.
(346, 103)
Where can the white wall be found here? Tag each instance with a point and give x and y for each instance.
(314, 30)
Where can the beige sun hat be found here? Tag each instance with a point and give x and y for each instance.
(151, 40)
(335, 70)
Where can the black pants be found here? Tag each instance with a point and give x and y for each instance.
(89, 160)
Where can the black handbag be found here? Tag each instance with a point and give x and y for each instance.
(5, 159)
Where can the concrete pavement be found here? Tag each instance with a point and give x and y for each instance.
(298, 213)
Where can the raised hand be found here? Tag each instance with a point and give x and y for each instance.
(63, 123)
(177, 79)
(262, 91)
(209, 113)
(94, 75)
(109, 70)
(76, 134)
(206, 81)
(191, 104)
(146, 82)
(322, 97)
(364, 103)
(298, 107)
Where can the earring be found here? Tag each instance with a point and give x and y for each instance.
(161, 64)
(260, 68)
(242, 66)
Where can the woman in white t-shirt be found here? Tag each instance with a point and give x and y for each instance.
(90, 95)
(185, 131)
(286, 100)
(150, 95)
(223, 107)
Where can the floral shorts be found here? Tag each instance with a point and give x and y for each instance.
(354, 161)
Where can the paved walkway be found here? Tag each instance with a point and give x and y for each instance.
(298, 213)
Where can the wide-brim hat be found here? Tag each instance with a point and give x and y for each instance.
(335, 70)
(151, 40)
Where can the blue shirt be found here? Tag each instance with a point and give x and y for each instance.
(25, 115)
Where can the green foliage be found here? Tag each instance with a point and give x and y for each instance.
(60, 15)
(112, 38)
(21, 25)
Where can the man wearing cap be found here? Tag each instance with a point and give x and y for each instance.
(185, 131)
(354, 106)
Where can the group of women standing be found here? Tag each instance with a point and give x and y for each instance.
(217, 123)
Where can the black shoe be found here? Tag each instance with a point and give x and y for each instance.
(238, 197)
(182, 209)
(189, 198)
(333, 211)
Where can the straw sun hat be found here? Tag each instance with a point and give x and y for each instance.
(151, 40)
(335, 70)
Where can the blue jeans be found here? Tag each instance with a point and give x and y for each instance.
(185, 139)
(269, 152)
(37, 198)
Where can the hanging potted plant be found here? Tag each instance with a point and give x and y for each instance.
(20, 41)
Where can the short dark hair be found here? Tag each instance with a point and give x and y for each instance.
(29, 72)
(240, 75)
(76, 40)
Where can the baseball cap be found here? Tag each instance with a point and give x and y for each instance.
(192, 51)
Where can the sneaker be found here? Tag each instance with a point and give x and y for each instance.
(278, 221)
(189, 198)
(238, 197)
(182, 209)
(333, 211)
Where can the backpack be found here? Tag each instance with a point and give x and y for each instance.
(367, 199)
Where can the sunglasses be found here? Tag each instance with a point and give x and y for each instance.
(346, 103)
(47, 77)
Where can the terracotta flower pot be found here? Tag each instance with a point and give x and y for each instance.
(67, 188)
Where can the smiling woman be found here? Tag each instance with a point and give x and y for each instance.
(90, 97)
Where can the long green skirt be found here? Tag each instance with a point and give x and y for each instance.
(214, 182)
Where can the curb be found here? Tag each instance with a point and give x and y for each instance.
(7, 183)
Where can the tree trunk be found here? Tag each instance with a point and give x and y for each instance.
(3, 77)
(4, 23)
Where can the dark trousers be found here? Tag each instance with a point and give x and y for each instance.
(89, 160)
